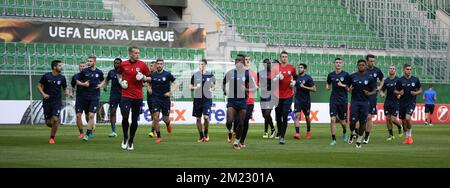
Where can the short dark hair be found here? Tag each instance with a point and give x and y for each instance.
(361, 60)
(370, 56)
(55, 63)
(304, 65)
(430, 86)
(82, 62)
(204, 61)
(284, 52)
(406, 65)
(153, 62)
(118, 59)
(240, 57)
(130, 49)
(337, 58)
(159, 59)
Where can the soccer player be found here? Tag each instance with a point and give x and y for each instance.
(114, 95)
(234, 87)
(79, 106)
(304, 85)
(203, 84)
(91, 78)
(131, 73)
(250, 100)
(285, 74)
(163, 85)
(264, 82)
(152, 133)
(50, 86)
(391, 103)
(430, 98)
(361, 86)
(376, 74)
(408, 87)
(338, 81)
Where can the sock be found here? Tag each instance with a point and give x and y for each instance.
(390, 132)
(153, 129)
(344, 131)
(201, 134)
(367, 136)
(158, 133)
(297, 129)
(359, 139)
(308, 128)
(81, 131)
(88, 132)
(52, 137)
(333, 137)
(430, 120)
(113, 127)
(206, 132)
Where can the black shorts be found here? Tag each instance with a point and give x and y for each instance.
(249, 111)
(91, 105)
(80, 105)
(406, 109)
(285, 105)
(339, 110)
(51, 109)
(237, 104)
(373, 105)
(161, 105)
(390, 108)
(202, 108)
(301, 106)
(127, 103)
(114, 102)
(359, 110)
(429, 108)
(266, 103)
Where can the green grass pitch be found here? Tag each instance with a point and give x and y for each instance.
(27, 146)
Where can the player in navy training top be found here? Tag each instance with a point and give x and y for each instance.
(203, 84)
(376, 75)
(114, 95)
(152, 68)
(50, 86)
(408, 87)
(391, 103)
(163, 85)
(234, 86)
(304, 84)
(79, 107)
(91, 78)
(265, 84)
(361, 86)
(337, 81)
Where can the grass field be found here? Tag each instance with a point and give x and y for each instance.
(27, 146)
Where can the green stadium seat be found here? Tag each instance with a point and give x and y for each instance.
(115, 51)
(11, 48)
(158, 53)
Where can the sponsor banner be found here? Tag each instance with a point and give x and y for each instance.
(30, 31)
(21, 112)
(440, 115)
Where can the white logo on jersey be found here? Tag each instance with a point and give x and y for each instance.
(289, 72)
(342, 79)
(164, 78)
(366, 82)
(96, 75)
(374, 74)
(58, 82)
(413, 84)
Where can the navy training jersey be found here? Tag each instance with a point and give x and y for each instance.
(116, 89)
(204, 82)
(338, 94)
(95, 77)
(52, 86)
(302, 94)
(161, 83)
(237, 82)
(360, 83)
(265, 83)
(389, 86)
(376, 74)
(73, 83)
(408, 85)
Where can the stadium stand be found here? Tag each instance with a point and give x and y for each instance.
(66, 9)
